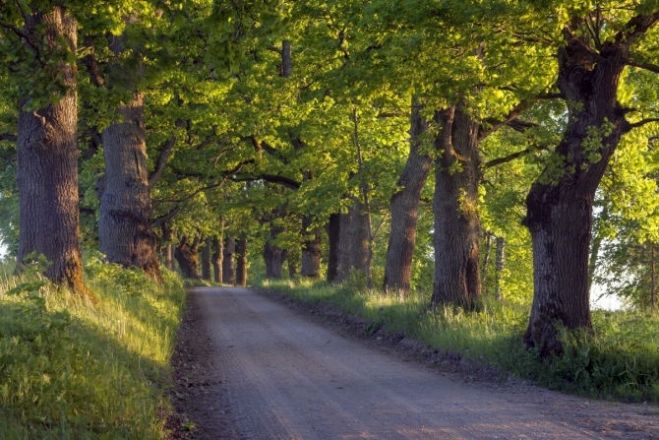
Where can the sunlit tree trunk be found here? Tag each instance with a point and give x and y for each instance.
(457, 224)
(333, 234)
(47, 174)
(206, 260)
(404, 209)
(241, 261)
(187, 256)
(228, 270)
(310, 250)
(217, 258)
(560, 203)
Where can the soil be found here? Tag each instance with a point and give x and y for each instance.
(261, 366)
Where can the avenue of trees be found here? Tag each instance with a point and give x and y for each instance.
(461, 148)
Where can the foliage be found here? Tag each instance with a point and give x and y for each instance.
(73, 369)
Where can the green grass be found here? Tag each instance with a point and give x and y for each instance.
(620, 361)
(70, 369)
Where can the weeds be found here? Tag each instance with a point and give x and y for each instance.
(70, 369)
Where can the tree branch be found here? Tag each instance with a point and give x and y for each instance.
(640, 123)
(642, 65)
(163, 158)
(509, 158)
(272, 178)
(636, 27)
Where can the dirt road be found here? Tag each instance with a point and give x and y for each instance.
(272, 373)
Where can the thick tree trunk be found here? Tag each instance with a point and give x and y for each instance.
(241, 262)
(457, 225)
(125, 232)
(217, 258)
(273, 255)
(333, 234)
(560, 203)
(404, 209)
(187, 256)
(47, 174)
(310, 250)
(500, 260)
(360, 251)
(344, 248)
(228, 271)
(206, 260)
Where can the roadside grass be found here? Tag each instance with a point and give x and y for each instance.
(620, 361)
(72, 369)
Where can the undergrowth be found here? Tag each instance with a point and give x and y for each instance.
(620, 360)
(72, 369)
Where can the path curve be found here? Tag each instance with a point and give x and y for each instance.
(280, 375)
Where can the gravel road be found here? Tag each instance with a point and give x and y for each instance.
(273, 373)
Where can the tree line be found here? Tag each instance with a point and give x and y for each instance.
(406, 144)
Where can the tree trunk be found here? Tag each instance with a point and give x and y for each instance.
(457, 225)
(47, 173)
(560, 202)
(333, 233)
(228, 272)
(241, 262)
(187, 256)
(273, 255)
(217, 258)
(206, 260)
(359, 241)
(404, 209)
(310, 250)
(500, 259)
(344, 248)
(125, 232)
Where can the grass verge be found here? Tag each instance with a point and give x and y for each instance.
(70, 369)
(620, 361)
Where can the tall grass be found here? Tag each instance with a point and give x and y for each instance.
(619, 360)
(73, 369)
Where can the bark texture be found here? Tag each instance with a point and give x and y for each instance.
(457, 225)
(404, 209)
(310, 250)
(47, 175)
(217, 258)
(187, 256)
(273, 255)
(333, 235)
(125, 232)
(560, 202)
(206, 260)
(241, 262)
(228, 270)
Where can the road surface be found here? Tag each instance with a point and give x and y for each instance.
(273, 373)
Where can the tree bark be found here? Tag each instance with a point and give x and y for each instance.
(344, 248)
(228, 271)
(359, 241)
(206, 260)
(241, 262)
(404, 207)
(47, 173)
(187, 256)
(273, 255)
(333, 233)
(310, 250)
(217, 258)
(457, 224)
(125, 232)
(486, 261)
(560, 202)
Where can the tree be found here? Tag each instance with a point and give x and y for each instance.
(47, 173)
(591, 62)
